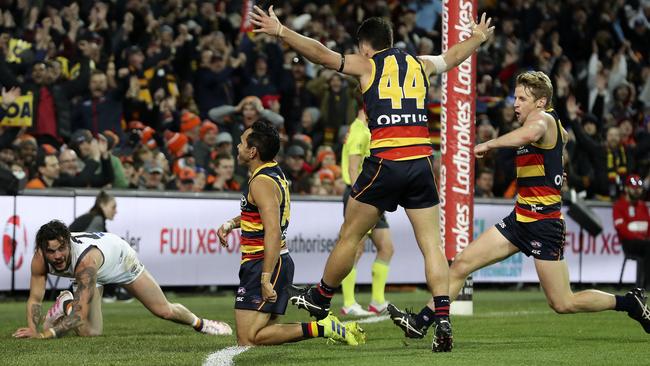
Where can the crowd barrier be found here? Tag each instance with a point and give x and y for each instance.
(175, 235)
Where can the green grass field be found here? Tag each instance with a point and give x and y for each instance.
(509, 328)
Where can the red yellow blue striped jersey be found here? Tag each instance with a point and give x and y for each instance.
(252, 228)
(396, 102)
(539, 178)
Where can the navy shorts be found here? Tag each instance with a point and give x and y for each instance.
(387, 184)
(381, 224)
(543, 239)
(249, 293)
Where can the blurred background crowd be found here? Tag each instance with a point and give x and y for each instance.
(156, 94)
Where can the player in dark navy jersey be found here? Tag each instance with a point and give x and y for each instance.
(399, 170)
(536, 226)
(266, 266)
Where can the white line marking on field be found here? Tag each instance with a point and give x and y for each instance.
(370, 319)
(225, 356)
(512, 313)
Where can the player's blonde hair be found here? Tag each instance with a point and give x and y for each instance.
(538, 84)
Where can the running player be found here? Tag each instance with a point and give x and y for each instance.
(266, 266)
(94, 260)
(536, 226)
(399, 170)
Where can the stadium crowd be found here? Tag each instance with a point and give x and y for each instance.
(156, 94)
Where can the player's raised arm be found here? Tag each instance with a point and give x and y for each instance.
(458, 53)
(266, 195)
(314, 51)
(86, 279)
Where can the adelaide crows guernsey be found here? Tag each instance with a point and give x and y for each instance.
(395, 102)
(539, 178)
(252, 229)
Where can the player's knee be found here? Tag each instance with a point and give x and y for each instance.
(385, 252)
(561, 307)
(460, 268)
(244, 339)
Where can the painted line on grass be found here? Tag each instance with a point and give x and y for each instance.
(225, 357)
(369, 319)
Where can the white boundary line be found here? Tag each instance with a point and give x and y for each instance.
(224, 357)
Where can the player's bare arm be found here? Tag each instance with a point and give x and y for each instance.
(266, 196)
(481, 32)
(86, 279)
(533, 130)
(35, 300)
(225, 229)
(314, 51)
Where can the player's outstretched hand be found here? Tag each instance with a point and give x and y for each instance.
(26, 333)
(483, 29)
(266, 23)
(481, 149)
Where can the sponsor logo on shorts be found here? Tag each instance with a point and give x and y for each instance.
(502, 224)
(536, 252)
(239, 298)
(241, 291)
(535, 244)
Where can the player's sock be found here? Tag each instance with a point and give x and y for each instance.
(441, 304)
(197, 324)
(312, 330)
(379, 276)
(624, 303)
(323, 293)
(425, 318)
(347, 286)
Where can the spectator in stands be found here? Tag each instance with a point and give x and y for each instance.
(27, 152)
(632, 223)
(296, 97)
(48, 171)
(311, 126)
(119, 178)
(224, 143)
(236, 120)
(94, 150)
(152, 177)
(224, 178)
(213, 86)
(190, 125)
(207, 144)
(103, 110)
(484, 183)
(185, 180)
(293, 169)
(337, 104)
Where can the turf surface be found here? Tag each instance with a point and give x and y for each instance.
(509, 328)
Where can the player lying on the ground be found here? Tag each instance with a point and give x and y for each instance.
(266, 266)
(93, 260)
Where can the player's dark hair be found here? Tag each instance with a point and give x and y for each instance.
(265, 138)
(377, 32)
(53, 230)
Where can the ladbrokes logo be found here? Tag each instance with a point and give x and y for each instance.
(9, 242)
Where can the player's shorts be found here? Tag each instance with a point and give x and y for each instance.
(249, 293)
(543, 239)
(387, 184)
(381, 224)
